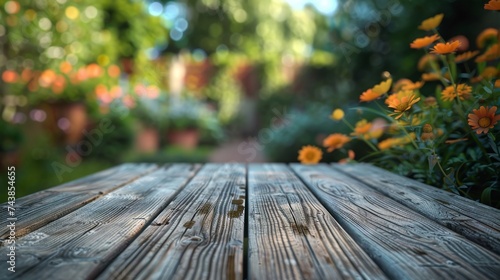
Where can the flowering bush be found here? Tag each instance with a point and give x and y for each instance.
(63, 83)
(444, 133)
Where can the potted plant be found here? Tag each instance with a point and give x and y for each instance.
(149, 112)
(184, 123)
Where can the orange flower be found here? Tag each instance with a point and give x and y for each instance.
(490, 54)
(489, 72)
(10, 76)
(423, 42)
(465, 56)
(497, 83)
(462, 91)
(401, 102)
(406, 84)
(493, 5)
(310, 155)
(362, 128)
(369, 95)
(486, 36)
(400, 83)
(429, 77)
(350, 157)
(446, 48)
(413, 86)
(383, 87)
(65, 67)
(335, 141)
(48, 76)
(431, 23)
(113, 71)
(482, 119)
(394, 142)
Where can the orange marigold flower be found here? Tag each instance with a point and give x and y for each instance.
(310, 155)
(369, 95)
(394, 142)
(400, 83)
(362, 127)
(482, 119)
(401, 102)
(461, 91)
(424, 42)
(428, 77)
(387, 143)
(465, 56)
(413, 86)
(489, 72)
(383, 87)
(497, 83)
(491, 53)
(493, 5)
(446, 48)
(431, 23)
(486, 36)
(406, 84)
(426, 61)
(335, 141)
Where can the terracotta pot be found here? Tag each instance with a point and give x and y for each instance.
(147, 140)
(187, 138)
(67, 121)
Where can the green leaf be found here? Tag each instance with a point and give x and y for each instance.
(486, 196)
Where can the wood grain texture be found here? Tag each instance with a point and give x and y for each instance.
(292, 236)
(198, 236)
(36, 210)
(78, 245)
(405, 244)
(476, 221)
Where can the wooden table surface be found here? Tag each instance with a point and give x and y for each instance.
(257, 221)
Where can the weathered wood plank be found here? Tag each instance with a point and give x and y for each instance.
(35, 210)
(476, 221)
(198, 236)
(292, 236)
(79, 244)
(405, 244)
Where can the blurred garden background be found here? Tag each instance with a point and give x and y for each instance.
(89, 84)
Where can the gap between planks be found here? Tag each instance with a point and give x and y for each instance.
(199, 235)
(38, 209)
(66, 248)
(476, 221)
(292, 236)
(404, 243)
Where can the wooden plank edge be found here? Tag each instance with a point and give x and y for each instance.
(471, 222)
(21, 230)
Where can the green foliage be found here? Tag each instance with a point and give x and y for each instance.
(295, 129)
(10, 136)
(444, 134)
(174, 154)
(113, 144)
